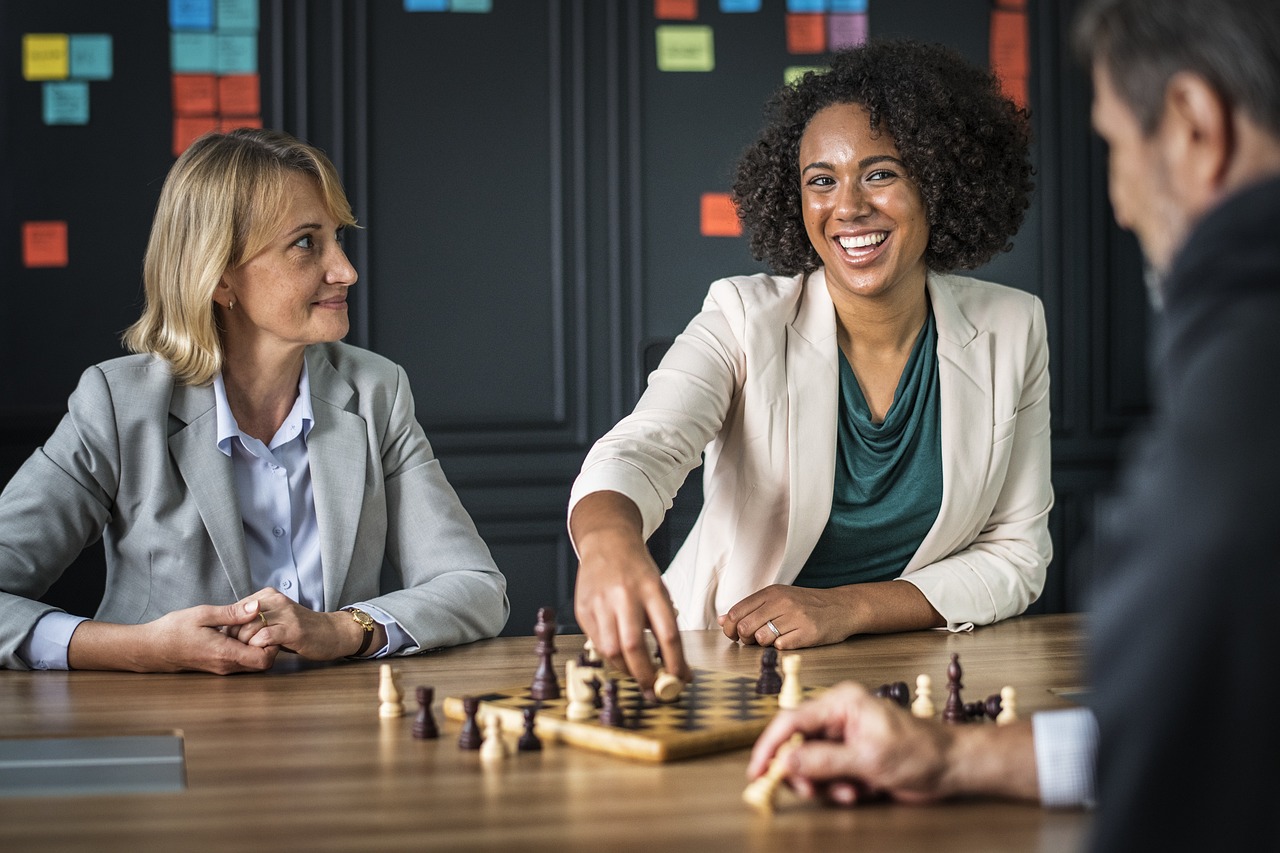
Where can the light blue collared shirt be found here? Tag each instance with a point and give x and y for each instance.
(281, 533)
(1066, 745)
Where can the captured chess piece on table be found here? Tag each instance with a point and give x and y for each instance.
(1009, 706)
(529, 740)
(470, 736)
(391, 699)
(493, 747)
(424, 725)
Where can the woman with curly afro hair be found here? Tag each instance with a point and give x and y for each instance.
(864, 415)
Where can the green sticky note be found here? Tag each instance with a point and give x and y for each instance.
(237, 15)
(685, 48)
(237, 54)
(193, 53)
(471, 6)
(792, 73)
(66, 102)
(90, 56)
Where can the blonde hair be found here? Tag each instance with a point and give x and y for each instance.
(220, 206)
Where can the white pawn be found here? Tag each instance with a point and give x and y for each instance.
(589, 649)
(922, 707)
(581, 701)
(389, 695)
(761, 793)
(494, 747)
(792, 693)
(1008, 706)
(667, 687)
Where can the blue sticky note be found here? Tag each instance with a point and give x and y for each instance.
(237, 16)
(471, 5)
(237, 54)
(806, 6)
(90, 56)
(426, 5)
(859, 6)
(191, 15)
(193, 53)
(66, 102)
(739, 5)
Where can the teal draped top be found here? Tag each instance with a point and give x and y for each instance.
(888, 480)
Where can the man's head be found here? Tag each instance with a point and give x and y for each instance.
(1187, 97)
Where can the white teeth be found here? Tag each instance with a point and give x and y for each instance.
(863, 241)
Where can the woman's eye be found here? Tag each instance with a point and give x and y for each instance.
(881, 175)
(820, 181)
(304, 242)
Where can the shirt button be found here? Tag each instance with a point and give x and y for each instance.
(286, 584)
(278, 531)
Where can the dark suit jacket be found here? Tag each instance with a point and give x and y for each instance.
(135, 460)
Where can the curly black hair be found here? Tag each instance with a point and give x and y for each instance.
(965, 144)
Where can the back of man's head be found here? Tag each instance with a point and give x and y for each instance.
(1233, 44)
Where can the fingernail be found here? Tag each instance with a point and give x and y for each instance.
(251, 606)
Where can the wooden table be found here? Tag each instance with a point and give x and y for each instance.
(298, 759)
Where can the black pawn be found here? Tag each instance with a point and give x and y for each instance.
(529, 741)
(898, 693)
(545, 685)
(424, 726)
(770, 682)
(610, 710)
(953, 711)
(470, 737)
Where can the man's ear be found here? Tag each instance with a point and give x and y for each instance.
(1198, 136)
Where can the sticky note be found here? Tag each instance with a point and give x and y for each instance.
(239, 95)
(236, 16)
(237, 54)
(675, 10)
(806, 6)
(719, 216)
(45, 56)
(471, 6)
(806, 33)
(191, 15)
(90, 56)
(187, 129)
(685, 48)
(426, 5)
(195, 94)
(66, 102)
(792, 73)
(732, 6)
(846, 31)
(231, 123)
(193, 53)
(848, 6)
(1009, 53)
(44, 244)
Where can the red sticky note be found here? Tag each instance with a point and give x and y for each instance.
(187, 129)
(239, 95)
(195, 94)
(720, 216)
(676, 10)
(44, 244)
(806, 33)
(229, 123)
(1010, 53)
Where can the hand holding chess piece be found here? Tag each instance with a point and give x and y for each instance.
(761, 793)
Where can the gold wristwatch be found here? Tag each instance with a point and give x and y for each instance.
(365, 621)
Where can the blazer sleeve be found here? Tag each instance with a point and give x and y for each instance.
(56, 504)
(452, 591)
(1002, 570)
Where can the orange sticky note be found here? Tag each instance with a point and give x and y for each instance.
(806, 33)
(44, 244)
(238, 95)
(676, 10)
(231, 123)
(195, 94)
(720, 216)
(187, 129)
(1010, 53)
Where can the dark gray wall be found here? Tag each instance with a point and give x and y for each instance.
(529, 182)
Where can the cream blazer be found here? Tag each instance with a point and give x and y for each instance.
(750, 390)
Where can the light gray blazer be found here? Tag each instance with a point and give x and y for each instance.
(135, 460)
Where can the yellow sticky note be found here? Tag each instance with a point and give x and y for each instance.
(685, 48)
(46, 56)
(792, 73)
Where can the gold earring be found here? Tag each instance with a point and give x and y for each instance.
(231, 303)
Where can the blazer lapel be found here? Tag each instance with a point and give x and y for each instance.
(337, 448)
(965, 380)
(209, 478)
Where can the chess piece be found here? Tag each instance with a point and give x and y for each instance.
(469, 737)
(922, 707)
(792, 692)
(581, 702)
(493, 747)
(897, 693)
(424, 725)
(761, 793)
(1008, 706)
(544, 684)
(769, 682)
(610, 711)
(667, 687)
(589, 653)
(389, 695)
(953, 711)
(529, 741)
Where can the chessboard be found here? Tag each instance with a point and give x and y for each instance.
(718, 711)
